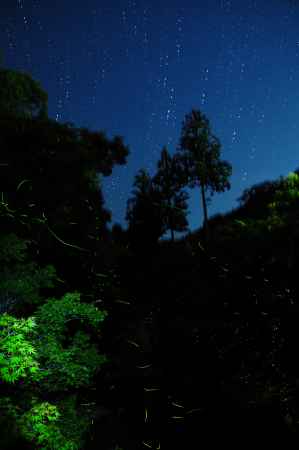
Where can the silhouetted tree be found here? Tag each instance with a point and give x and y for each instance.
(144, 212)
(254, 200)
(21, 96)
(59, 167)
(199, 153)
(173, 199)
(119, 235)
(55, 168)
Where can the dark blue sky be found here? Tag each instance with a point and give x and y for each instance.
(135, 68)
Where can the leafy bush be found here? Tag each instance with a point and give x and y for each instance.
(33, 352)
(73, 365)
(17, 354)
(53, 428)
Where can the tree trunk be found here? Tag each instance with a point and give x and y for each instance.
(205, 214)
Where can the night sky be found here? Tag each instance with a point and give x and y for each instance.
(135, 68)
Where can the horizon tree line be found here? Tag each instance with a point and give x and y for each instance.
(159, 203)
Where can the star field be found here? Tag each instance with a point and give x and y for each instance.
(135, 68)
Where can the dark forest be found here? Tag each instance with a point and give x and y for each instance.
(119, 338)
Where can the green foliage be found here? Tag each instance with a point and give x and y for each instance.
(282, 209)
(55, 349)
(54, 426)
(34, 350)
(21, 279)
(272, 203)
(48, 426)
(34, 421)
(55, 313)
(254, 200)
(254, 228)
(73, 421)
(25, 281)
(287, 196)
(67, 365)
(274, 225)
(17, 354)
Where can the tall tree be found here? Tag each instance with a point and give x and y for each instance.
(144, 212)
(199, 153)
(173, 199)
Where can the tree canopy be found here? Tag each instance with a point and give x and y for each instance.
(199, 155)
(144, 212)
(21, 96)
(173, 198)
(55, 168)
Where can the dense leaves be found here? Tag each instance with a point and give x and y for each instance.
(32, 349)
(17, 354)
(73, 364)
